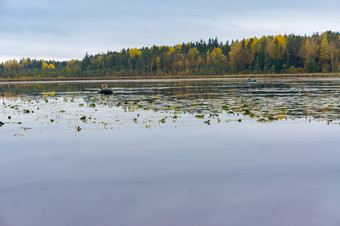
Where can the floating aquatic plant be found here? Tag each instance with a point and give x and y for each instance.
(271, 118)
(225, 107)
(199, 116)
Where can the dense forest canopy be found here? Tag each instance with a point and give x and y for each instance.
(268, 54)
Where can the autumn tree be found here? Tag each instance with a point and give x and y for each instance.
(51, 67)
(238, 57)
(44, 65)
(324, 54)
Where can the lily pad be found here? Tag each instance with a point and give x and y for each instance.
(225, 107)
(199, 116)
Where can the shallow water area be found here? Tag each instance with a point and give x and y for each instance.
(219, 152)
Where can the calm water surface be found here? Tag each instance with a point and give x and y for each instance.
(173, 153)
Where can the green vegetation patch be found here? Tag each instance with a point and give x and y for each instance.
(199, 116)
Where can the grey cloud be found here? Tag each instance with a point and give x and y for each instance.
(69, 28)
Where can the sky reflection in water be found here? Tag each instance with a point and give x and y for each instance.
(118, 172)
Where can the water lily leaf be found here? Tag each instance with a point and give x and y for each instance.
(199, 116)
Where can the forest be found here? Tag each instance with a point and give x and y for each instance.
(318, 53)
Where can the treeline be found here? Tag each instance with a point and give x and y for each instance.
(268, 54)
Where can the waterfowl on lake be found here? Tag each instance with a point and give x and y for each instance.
(104, 85)
(251, 80)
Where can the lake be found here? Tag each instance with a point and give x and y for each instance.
(185, 152)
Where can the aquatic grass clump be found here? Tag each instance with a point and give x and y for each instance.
(262, 120)
(225, 107)
(199, 116)
(83, 118)
(1, 123)
(271, 118)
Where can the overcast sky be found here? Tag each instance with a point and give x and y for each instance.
(67, 29)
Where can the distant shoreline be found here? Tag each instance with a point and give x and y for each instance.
(167, 77)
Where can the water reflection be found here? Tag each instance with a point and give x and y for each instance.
(144, 156)
(219, 101)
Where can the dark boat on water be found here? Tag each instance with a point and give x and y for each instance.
(105, 90)
(251, 80)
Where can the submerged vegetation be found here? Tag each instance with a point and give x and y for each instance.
(268, 54)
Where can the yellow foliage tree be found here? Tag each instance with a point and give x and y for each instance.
(134, 52)
(51, 67)
(309, 51)
(178, 47)
(324, 53)
(44, 65)
(253, 49)
(234, 55)
(171, 49)
(72, 64)
(217, 55)
(276, 47)
(193, 53)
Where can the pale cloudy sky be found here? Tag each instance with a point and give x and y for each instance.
(67, 29)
